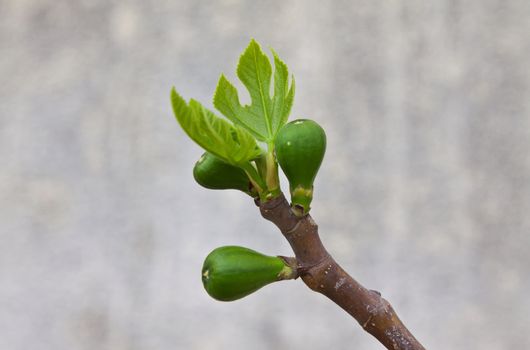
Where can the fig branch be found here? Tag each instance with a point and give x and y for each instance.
(321, 273)
(234, 159)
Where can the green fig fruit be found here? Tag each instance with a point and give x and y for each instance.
(300, 146)
(231, 272)
(213, 173)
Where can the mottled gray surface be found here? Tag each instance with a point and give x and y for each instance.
(424, 193)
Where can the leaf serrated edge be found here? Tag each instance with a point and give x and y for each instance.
(254, 50)
(235, 153)
(219, 100)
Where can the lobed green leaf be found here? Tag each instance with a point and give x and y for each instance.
(229, 142)
(265, 115)
(282, 100)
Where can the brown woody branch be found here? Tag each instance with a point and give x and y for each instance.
(322, 274)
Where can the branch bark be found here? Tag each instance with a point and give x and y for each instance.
(322, 274)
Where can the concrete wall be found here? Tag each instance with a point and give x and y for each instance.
(424, 193)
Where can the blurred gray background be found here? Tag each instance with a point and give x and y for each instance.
(424, 193)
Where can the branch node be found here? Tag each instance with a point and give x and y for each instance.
(293, 229)
(311, 269)
(365, 324)
(376, 292)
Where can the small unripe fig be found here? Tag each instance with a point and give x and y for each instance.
(213, 173)
(300, 146)
(231, 272)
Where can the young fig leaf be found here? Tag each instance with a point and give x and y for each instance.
(300, 147)
(229, 142)
(231, 272)
(265, 115)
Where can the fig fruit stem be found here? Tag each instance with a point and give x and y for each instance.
(291, 269)
(271, 178)
(254, 177)
(265, 174)
(322, 274)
